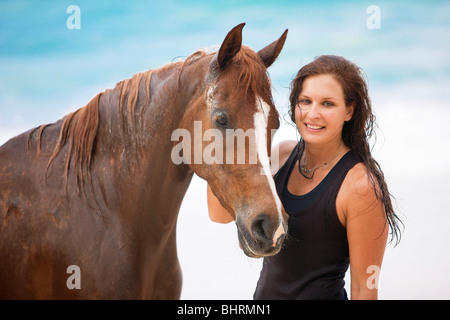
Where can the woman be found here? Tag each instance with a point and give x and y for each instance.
(332, 189)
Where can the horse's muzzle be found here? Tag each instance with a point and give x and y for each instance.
(261, 236)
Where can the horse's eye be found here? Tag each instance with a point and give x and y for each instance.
(221, 119)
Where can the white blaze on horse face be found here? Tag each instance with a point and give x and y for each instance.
(261, 118)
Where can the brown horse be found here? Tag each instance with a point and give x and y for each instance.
(89, 204)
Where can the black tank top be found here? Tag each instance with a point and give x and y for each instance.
(314, 257)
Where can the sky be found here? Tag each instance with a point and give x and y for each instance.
(48, 69)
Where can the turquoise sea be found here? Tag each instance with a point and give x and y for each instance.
(48, 70)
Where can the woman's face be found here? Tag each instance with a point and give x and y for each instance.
(321, 111)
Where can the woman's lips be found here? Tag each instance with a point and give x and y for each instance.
(313, 127)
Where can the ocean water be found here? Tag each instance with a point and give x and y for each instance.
(48, 70)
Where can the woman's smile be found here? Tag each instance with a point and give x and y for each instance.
(313, 127)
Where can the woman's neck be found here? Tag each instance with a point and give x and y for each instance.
(316, 155)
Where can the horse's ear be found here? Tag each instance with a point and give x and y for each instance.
(230, 46)
(270, 53)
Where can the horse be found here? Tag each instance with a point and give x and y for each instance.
(89, 203)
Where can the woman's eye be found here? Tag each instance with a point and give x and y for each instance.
(304, 101)
(328, 104)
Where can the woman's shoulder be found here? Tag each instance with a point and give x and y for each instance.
(357, 179)
(359, 208)
(282, 150)
(359, 187)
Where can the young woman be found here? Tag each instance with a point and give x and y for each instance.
(332, 189)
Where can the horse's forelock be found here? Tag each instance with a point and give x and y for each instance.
(253, 75)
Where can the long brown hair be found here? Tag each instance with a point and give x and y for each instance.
(356, 132)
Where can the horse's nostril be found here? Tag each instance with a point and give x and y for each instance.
(261, 228)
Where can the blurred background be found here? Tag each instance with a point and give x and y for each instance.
(48, 69)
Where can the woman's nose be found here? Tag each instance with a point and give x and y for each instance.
(314, 110)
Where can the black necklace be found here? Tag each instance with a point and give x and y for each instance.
(304, 172)
(308, 173)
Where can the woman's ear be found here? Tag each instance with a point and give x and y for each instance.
(350, 111)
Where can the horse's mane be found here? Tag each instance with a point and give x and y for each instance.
(80, 128)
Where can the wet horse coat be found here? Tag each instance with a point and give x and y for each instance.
(99, 190)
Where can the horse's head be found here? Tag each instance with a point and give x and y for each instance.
(232, 123)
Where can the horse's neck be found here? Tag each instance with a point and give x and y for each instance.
(142, 152)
